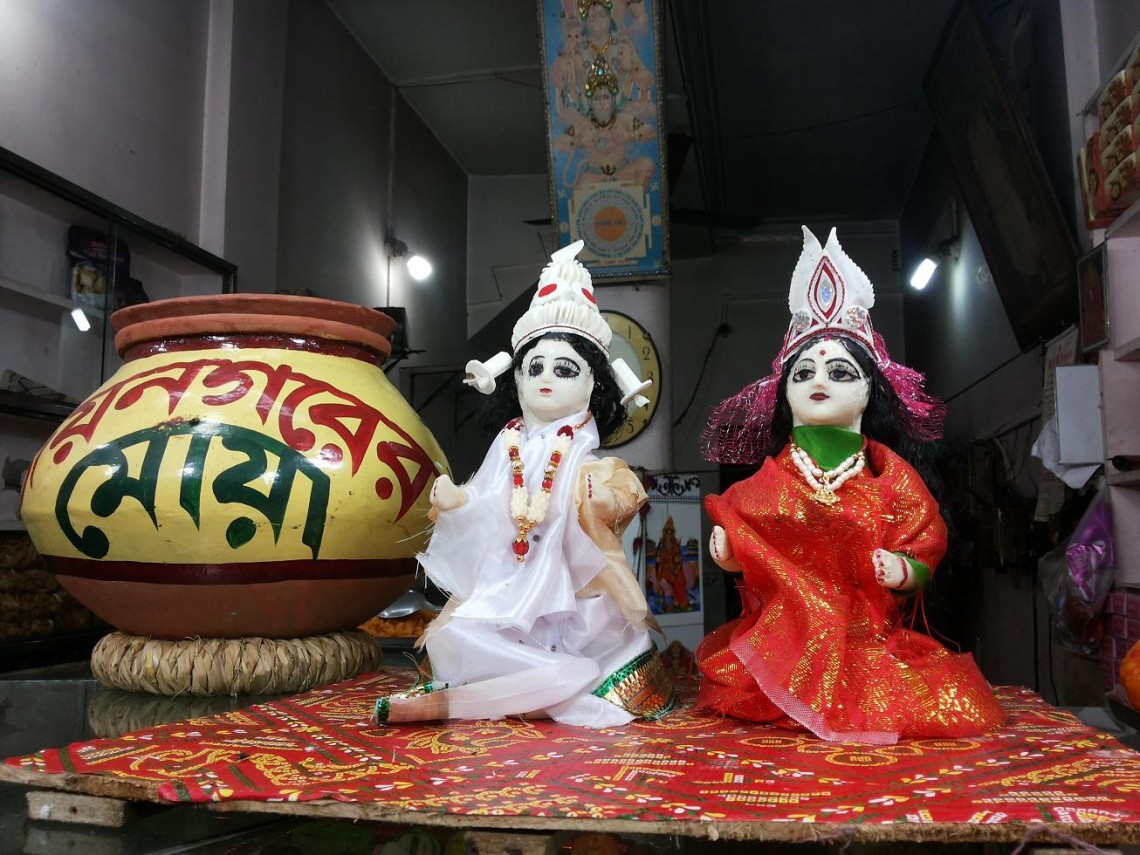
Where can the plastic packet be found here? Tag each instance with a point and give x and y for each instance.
(1077, 578)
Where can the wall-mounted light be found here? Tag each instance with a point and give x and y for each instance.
(921, 276)
(419, 268)
(80, 318)
(925, 270)
(949, 248)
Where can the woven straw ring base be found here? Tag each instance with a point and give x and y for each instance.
(231, 666)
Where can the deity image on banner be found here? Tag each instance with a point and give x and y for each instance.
(604, 117)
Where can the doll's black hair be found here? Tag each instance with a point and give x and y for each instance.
(605, 399)
(885, 419)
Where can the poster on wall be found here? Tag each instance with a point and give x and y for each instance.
(604, 133)
(665, 551)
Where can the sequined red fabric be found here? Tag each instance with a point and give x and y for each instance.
(821, 645)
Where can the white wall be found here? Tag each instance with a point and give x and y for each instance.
(110, 95)
(172, 111)
(1117, 24)
(504, 253)
(335, 181)
(258, 129)
(429, 213)
(253, 163)
(965, 339)
(357, 162)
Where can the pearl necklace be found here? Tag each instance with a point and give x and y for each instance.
(826, 483)
(529, 509)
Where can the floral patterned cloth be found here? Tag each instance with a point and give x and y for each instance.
(1042, 766)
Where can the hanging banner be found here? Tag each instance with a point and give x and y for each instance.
(605, 133)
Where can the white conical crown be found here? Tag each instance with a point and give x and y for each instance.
(563, 302)
(828, 293)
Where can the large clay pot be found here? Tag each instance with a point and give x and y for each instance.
(249, 471)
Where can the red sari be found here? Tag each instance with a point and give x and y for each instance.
(821, 644)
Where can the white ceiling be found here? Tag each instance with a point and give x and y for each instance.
(469, 68)
(797, 110)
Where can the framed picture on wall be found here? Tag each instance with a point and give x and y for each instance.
(1092, 285)
(664, 548)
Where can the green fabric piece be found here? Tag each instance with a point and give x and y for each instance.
(827, 446)
(918, 569)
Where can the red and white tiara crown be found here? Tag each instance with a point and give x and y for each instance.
(829, 294)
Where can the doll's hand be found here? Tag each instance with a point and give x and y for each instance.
(892, 571)
(721, 551)
(445, 495)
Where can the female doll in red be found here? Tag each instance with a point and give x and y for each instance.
(832, 534)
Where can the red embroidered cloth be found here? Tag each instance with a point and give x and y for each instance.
(1043, 766)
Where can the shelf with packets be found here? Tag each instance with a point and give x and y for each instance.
(1108, 172)
(67, 259)
(58, 346)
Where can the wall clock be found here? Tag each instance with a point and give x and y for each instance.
(632, 342)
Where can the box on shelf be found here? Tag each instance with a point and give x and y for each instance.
(94, 271)
(1122, 186)
(13, 381)
(1117, 89)
(1099, 212)
(1123, 144)
(1121, 631)
(1123, 115)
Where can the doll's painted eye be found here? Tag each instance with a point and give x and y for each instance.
(842, 371)
(566, 368)
(535, 367)
(803, 373)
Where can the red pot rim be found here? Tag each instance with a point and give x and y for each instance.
(248, 314)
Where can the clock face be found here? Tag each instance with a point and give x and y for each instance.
(633, 343)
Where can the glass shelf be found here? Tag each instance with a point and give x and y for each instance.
(40, 294)
(33, 406)
(48, 361)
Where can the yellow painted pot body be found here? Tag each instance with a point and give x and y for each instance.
(249, 471)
